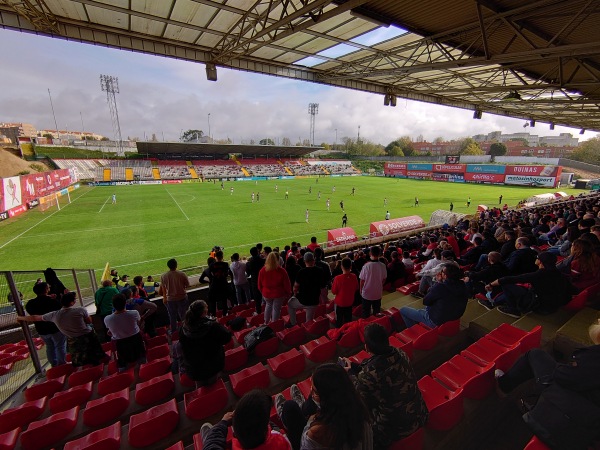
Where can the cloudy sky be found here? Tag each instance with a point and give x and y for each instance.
(165, 96)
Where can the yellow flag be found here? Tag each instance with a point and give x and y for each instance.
(106, 273)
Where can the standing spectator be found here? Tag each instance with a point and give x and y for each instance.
(307, 289)
(292, 268)
(396, 271)
(199, 351)
(144, 307)
(372, 278)
(240, 280)
(57, 288)
(344, 288)
(124, 329)
(56, 342)
(387, 384)
(326, 281)
(253, 266)
(274, 283)
(103, 301)
(218, 287)
(75, 323)
(313, 244)
(173, 285)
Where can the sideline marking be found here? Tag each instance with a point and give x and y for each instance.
(104, 204)
(44, 219)
(87, 230)
(182, 211)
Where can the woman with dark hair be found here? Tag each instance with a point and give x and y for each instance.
(57, 288)
(584, 265)
(199, 351)
(292, 268)
(341, 420)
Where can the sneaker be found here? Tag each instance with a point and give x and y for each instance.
(279, 401)
(497, 375)
(297, 395)
(508, 311)
(289, 325)
(204, 429)
(417, 294)
(486, 304)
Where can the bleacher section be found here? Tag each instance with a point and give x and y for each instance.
(87, 169)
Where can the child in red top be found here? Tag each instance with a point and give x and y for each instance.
(344, 288)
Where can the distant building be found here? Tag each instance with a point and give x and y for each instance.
(563, 140)
(71, 135)
(14, 130)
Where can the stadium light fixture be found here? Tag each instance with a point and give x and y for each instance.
(477, 114)
(552, 125)
(582, 131)
(512, 96)
(386, 100)
(211, 72)
(392, 100)
(532, 123)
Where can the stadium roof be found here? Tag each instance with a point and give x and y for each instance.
(220, 151)
(536, 60)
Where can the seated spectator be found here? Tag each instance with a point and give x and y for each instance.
(344, 288)
(522, 260)
(396, 272)
(387, 384)
(445, 301)
(584, 265)
(567, 413)
(150, 286)
(199, 353)
(495, 268)
(409, 264)
(144, 307)
(124, 329)
(549, 289)
(341, 420)
(427, 273)
(472, 255)
(250, 423)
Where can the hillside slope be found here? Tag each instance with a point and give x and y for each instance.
(11, 165)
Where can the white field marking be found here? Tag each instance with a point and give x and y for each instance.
(188, 201)
(87, 230)
(44, 219)
(104, 204)
(182, 211)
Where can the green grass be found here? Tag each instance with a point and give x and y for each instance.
(152, 223)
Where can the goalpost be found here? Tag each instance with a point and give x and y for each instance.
(54, 200)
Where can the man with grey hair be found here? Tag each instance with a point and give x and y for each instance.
(307, 289)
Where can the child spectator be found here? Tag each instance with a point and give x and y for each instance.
(344, 288)
(124, 329)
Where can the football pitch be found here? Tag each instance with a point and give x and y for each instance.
(151, 223)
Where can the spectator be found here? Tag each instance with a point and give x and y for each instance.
(344, 288)
(218, 287)
(250, 423)
(387, 384)
(124, 329)
(292, 268)
(427, 273)
(103, 301)
(75, 323)
(522, 260)
(199, 353)
(274, 283)
(173, 285)
(150, 286)
(307, 289)
(145, 308)
(473, 254)
(409, 264)
(476, 281)
(56, 342)
(584, 267)
(372, 279)
(313, 244)
(341, 420)
(396, 271)
(445, 301)
(240, 280)
(567, 412)
(57, 288)
(253, 266)
(326, 280)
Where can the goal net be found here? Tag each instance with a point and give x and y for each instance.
(55, 200)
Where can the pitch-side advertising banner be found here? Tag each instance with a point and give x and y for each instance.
(485, 168)
(493, 178)
(341, 236)
(530, 180)
(394, 169)
(419, 175)
(449, 168)
(449, 177)
(540, 171)
(12, 193)
(394, 226)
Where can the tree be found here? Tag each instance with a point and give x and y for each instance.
(588, 151)
(154, 138)
(438, 140)
(48, 136)
(465, 143)
(402, 146)
(306, 142)
(286, 142)
(266, 141)
(523, 140)
(472, 149)
(191, 135)
(497, 149)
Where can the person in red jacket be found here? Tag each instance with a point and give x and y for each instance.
(274, 284)
(344, 288)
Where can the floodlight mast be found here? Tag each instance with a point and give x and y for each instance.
(110, 85)
(313, 110)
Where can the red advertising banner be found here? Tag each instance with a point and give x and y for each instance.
(539, 171)
(44, 183)
(395, 166)
(341, 236)
(450, 168)
(418, 173)
(400, 173)
(394, 226)
(484, 178)
(12, 192)
(17, 211)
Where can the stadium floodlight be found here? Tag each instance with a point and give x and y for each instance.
(582, 131)
(313, 110)
(552, 125)
(211, 72)
(110, 85)
(386, 100)
(532, 123)
(477, 114)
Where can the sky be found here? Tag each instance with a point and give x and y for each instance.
(165, 96)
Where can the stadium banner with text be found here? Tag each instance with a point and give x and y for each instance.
(485, 168)
(3, 216)
(418, 175)
(530, 180)
(340, 236)
(450, 168)
(395, 226)
(394, 169)
(452, 159)
(171, 181)
(449, 177)
(17, 211)
(12, 193)
(539, 171)
(493, 178)
(420, 167)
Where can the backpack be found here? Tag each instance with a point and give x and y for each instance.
(256, 336)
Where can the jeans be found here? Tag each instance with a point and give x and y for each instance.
(343, 314)
(412, 316)
(425, 283)
(536, 364)
(511, 293)
(256, 295)
(294, 304)
(272, 309)
(177, 309)
(482, 263)
(243, 291)
(56, 348)
(368, 304)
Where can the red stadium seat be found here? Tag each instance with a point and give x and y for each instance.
(300, 317)
(108, 438)
(331, 317)
(21, 415)
(408, 289)
(413, 442)
(486, 351)
(508, 335)
(585, 297)
(357, 311)
(105, 409)
(317, 327)
(360, 357)
(176, 446)
(85, 375)
(76, 396)
(240, 335)
(445, 406)
(305, 387)
(116, 382)
(319, 350)
(288, 364)
(267, 348)
(237, 308)
(292, 337)
(161, 331)
(154, 390)
(395, 316)
(154, 368)
(156, 341)
(536, 444)
(186, 381)
(422, 337)
(449, 329)
(350, 339)
(49, 431)
(235, 358)
(206, 401)
(320, 311)
(254, 377)
(384, 321)
(154, 424)
(406, 347)
(8, 440)
(257, 320)
(44, 389)
(159, 351)
(460, 373)
(246, 313)
(59, 371)
(277, 325)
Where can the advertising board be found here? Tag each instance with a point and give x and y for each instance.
(341, 236)
(394, 226)
(493, 178)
